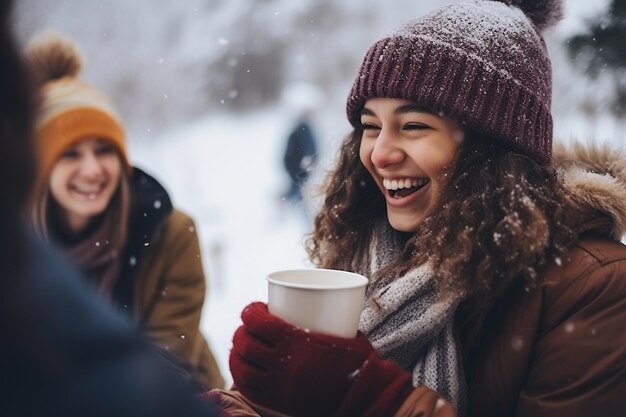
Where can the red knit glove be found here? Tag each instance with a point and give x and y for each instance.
(378, 390)
(282, 367)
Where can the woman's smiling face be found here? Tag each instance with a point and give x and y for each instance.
(84, 179)
(407, 150)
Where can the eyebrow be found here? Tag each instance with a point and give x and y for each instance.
(406, 108)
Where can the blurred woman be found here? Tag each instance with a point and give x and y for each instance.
(116, 222)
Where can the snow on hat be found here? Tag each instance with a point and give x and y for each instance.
(70, 110)
(483, 63)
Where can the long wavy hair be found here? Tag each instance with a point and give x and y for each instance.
(501, 218)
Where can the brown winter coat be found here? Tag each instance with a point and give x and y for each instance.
(169, 291)
(560, 349)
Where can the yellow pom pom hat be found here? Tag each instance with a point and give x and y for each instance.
(70, 110)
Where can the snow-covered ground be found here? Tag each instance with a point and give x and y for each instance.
(226, 171)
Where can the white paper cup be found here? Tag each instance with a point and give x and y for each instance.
(324, 301)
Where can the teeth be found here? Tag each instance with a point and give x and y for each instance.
(87, 189)
(399, 184)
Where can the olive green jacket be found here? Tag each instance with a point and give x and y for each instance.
(168, 296)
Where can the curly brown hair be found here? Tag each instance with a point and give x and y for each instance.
(502, 218)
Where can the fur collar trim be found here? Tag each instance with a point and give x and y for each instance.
(595, 177)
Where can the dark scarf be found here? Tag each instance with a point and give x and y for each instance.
(97, 249)
(97, 255)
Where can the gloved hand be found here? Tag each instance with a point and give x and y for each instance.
(303, 374)
(280, 366)
(379, 389)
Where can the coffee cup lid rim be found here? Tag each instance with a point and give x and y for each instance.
(355, 284)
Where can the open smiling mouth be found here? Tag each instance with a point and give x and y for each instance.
(404, 187)
(89, 191)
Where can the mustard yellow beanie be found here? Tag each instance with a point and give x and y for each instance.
(70, 110)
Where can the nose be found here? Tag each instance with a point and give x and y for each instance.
(387, 151)
(90, 166)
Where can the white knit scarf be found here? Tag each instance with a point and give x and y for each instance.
(407, 323)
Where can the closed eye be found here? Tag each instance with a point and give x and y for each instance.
(69, 154)
(416, 126)
(369, 126)
(105, 148)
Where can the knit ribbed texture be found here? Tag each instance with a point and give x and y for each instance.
(407, 322)
(482, 63)
(72, 111)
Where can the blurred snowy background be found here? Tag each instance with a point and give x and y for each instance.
(204, 88)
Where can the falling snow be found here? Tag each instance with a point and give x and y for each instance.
(191, 159)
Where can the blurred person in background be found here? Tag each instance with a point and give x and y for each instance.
(497, 276)
(115, 222)
(300, 157)
(301, 150)
(64, 352)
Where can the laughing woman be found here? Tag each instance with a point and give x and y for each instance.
(115, 221)
(497, 277)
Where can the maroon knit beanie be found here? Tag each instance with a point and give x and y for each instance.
(483, 63)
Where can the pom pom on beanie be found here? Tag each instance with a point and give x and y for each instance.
(53, 57)
(543, 13)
